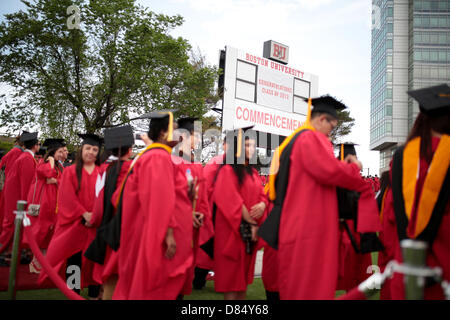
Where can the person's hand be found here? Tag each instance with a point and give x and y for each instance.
(146, 139)
(52, 161)
(171, 244)
(52, 181)
(255, 233)
(197, 218)
(257, 210)
(246, 215)
(352, 159)
(88, 217)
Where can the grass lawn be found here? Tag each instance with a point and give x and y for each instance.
(255, 291)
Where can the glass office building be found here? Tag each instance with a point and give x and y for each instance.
(410, 50)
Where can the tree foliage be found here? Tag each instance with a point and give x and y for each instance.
(344, 126)
(121, 62)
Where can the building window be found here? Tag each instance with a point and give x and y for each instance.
(442, 56)
(389, 43)
(443, 5)
(388, 127)
(390, 11)
(246, 81)
(434, 22)
(433, 55)
(389, 110)
(390, 27)
(389, 76)
(389, 93)
(389, 60)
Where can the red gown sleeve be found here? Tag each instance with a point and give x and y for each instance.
(327, 170)
(45, 171)
(97, 212)
(202, 200)
(27, 176)
(70, 208)
(324, 168)
(226, 188)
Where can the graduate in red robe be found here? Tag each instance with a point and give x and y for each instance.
(240, 203)
(44, 192)
(156, 233)
(387, 237)
(420, 179)
(355, 249)
(18, 181)
(193, 171)
(103, 250)
(308, 233)
(5, 164)
(269, 273)
(74, 232)
(205, 261)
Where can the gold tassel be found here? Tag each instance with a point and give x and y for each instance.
(239, 151)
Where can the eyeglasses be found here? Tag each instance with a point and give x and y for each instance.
(333, 125)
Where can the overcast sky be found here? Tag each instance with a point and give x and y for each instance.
(329, 38)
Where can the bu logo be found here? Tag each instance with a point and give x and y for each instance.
(279, 51)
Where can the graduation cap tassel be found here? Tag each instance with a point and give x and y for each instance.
(342, 152)
(239, 142)
(170, 138)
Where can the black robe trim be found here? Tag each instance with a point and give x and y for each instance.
(270, 227)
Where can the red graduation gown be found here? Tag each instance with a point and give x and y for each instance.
(110, 266)
(309, 228)
(234, 268)
(71, 235)
(353, 267)
(20, 176)
(43, 226)
(388, 236)
(202, 206)
(438, 254)
(7, 161)
(270, 271)
(207, 231)
(150, 206)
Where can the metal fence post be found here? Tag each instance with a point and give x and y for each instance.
(414, 256)
(15, 250)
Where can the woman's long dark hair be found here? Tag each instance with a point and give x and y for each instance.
(241, 170)
(51, 153)
(422, 128)
(79, 164)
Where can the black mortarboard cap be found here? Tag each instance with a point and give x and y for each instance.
(159, 115)
(186, 123)
(28, 136)
(346, 148)
(92, 139)
(327, 104)
(119, 137)
(54, 143)
(42, 151)
(433, 101)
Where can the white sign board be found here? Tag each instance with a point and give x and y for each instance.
(264, 93)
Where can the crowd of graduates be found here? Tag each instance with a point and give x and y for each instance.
(152, 225)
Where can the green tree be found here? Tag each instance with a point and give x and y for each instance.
(119, 63)
(344, 126)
